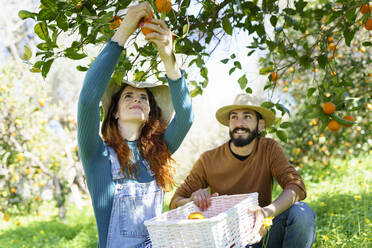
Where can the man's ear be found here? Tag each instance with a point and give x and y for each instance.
(261, 125)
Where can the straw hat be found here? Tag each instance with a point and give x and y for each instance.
(160, 92)
(244, 101)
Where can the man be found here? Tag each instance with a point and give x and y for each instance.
(249, 163)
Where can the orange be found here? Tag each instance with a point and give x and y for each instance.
(330, 39)
(329, 108)
(195, 215)
(79, 5)
(115, 22)
(368, 24)
(333, 125)
(165, 5)
(364, 8)
(332, 46)
(349, 118)
(274, 76)
(146, 31)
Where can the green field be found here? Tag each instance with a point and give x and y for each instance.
(340, 194)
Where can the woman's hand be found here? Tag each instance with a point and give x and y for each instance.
(132, 19)
(162, 37)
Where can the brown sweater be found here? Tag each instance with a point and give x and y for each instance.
(224, 173)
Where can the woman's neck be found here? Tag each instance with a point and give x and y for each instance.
(130, 130)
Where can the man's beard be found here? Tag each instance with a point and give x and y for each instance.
(240, 141)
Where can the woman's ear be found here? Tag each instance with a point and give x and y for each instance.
(116, 115)
(261, 125)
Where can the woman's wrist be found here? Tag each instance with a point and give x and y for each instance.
(171, 68)
(120, 37)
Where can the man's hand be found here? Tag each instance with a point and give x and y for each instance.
(259, 229)
(202, 198)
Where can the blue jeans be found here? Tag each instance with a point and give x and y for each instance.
(294, 228)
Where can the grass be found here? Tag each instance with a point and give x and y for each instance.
(340, 194)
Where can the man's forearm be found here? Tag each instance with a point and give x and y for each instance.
(286, 199)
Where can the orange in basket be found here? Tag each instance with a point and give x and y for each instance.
(195, 215)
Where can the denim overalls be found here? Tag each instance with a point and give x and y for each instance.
(133, 203)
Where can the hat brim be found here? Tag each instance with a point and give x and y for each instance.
(223, 114)
(160, 92)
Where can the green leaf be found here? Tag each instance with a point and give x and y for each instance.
(300, 5)
(204, 72)
(73, 54)
(24, 14)
(289, 11)
(46, 14)
(243, 81)
(349, 35)
(282, 108)
(273, 20)
(46, 67)
(268, 105)
(41, 30)
(367, 43)
(305, 61)
(39, 64)
(28, 53)
(232, 70)
(224, 61)
(266, 70)
(310, 91)
(285, 124)
(268, 85)
(62, 22)
(282, 135)
(322, 60)
(35, 70)
(81, 68)
(248, 90)
(139, 76)
(226, 25)
(196, 91)
(237, 64)
(185, 29)
(341, 120)
(43, 46)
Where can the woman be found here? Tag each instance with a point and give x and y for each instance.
(128, 169)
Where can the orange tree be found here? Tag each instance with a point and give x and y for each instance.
(317, 49)
(37, 145)
(325, 67)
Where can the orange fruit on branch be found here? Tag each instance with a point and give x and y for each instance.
(195, 216)
(163, 5)
(364, 8)
(274, 76)
(115, 22)
(348, 118)
(334, 125)
(329, 108)
(368, 24)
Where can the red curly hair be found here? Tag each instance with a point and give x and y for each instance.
(151, 142)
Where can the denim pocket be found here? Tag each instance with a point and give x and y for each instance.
(134, 210)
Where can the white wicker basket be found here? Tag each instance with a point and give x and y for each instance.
(227, 224)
